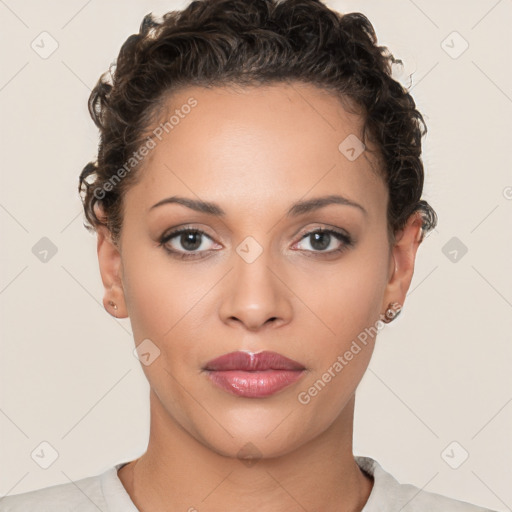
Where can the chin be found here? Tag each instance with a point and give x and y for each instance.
(257, 435)
(251, 449)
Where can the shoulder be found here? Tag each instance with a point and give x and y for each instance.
(80, 496)
(389, 495)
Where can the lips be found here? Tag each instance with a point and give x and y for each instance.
(253, 375)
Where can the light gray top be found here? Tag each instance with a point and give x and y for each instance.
(106, 493)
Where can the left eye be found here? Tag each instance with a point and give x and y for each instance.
(320, 239)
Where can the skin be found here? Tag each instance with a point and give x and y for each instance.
(254, 151)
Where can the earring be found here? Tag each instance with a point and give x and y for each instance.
(394, 309)
(114, 305)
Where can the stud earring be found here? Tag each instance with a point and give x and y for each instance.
(113, 305)
(394, 309)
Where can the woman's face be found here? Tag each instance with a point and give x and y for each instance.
(255, 281)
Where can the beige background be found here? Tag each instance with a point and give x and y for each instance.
(440, 374)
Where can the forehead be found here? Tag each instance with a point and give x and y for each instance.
(243, 146)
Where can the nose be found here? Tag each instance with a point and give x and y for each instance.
(256, 295)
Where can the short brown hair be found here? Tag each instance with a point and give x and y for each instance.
(258, 42)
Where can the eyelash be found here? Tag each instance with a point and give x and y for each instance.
(342, 237)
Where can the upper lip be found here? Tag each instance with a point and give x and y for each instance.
(249, 361)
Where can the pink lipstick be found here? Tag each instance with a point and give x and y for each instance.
(253, 375)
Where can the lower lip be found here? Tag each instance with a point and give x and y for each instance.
(256, 384)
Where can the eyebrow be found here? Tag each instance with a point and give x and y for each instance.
(298, 208)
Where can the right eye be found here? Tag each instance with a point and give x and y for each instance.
(190, 239)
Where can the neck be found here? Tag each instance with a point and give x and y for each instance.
(178, 472)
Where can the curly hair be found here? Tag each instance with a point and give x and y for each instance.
(262, 42)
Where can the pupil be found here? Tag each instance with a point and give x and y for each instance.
(325, 237)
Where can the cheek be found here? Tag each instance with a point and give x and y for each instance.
(151, 311)
(166, 304)
(339, 358)
(155, 292)
(349, 298)
(348, 306)
(160, 300)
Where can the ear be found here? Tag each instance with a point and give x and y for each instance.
(109, 259)
(401, 265)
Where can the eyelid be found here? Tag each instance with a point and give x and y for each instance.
(323, 227)
(184, 227)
